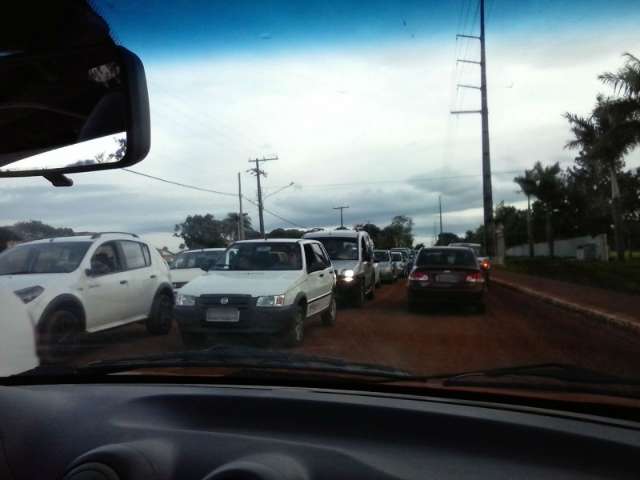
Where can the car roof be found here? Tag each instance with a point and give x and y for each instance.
(272, 240)
(335, 233)
(219, 249)
(89, 238)
(448, 247)
(464, 244)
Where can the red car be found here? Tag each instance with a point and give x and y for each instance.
(446, 275)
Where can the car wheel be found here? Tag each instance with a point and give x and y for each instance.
(295, 334)
(192, 341)
(159, 322)
(329, 315)
(58, 330)
(359, 296)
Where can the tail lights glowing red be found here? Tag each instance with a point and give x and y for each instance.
(485, 264)
(418, 275)
(475, 277)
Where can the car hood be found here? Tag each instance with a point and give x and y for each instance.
(341, 265)
(183, 275)
(254, 283)
(16, 282)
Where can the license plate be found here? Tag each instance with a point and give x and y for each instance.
(223, 315)
(447, 278)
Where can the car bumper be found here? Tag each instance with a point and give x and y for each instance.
(252, 320)
(345, 288)
(444, 294)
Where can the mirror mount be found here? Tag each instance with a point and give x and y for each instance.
(59, 180)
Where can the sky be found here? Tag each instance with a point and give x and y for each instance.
(353, 97)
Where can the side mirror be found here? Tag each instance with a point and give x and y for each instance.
(73, 110)
(89, 272)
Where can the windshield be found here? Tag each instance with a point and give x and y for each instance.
(261, 256)
(381, 256)
(369, 126)
(340, 248)
(196, 260)
(459, 257)
(475, 248)
(43, 258)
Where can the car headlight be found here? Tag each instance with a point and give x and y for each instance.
(270, 301)
(347, 275)
(185, 300)
(29, 294)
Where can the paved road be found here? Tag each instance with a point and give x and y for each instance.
(514, 330)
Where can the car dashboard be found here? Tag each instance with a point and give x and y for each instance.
(160, 431)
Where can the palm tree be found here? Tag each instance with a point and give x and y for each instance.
(626, 80)
(527, 184)
(610, 132)
(549, 190)
(604, 138)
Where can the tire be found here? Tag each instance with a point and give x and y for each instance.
(192, 341)
(58, 328)
(295, 335)
(359, 296)
(329, 315)
(161, 318)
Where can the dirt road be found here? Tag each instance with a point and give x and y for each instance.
(514, 330)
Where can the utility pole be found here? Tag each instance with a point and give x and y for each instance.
(487, 193)
(241, 217)
(440, 205)
(341, 217)
(257, 172)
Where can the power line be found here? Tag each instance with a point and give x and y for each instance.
(208, 190)
(179, 184)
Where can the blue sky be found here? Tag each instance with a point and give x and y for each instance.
(343, 92)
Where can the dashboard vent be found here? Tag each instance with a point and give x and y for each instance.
(92, 471)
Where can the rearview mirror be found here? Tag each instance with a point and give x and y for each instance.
(71, 111)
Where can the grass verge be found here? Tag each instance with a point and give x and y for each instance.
(620, 277)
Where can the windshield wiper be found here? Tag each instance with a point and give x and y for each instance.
(541, 377)
(232, 357)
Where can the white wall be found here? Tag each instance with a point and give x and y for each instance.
(564, 248)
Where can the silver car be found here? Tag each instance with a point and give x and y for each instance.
(388, 271)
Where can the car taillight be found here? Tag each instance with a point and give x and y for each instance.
(485, 265)
(418, 275)
(475, 277)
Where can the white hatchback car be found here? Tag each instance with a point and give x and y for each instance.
(259, 287)
(71, 285)
(192, 263)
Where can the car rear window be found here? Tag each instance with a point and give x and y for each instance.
(462, 257)
(381, 256)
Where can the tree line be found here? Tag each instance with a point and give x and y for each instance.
(595, 194)
(206, 231)
(30, 230)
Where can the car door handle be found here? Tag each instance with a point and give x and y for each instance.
(123, 282)
(153, 276)
(321, 275)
